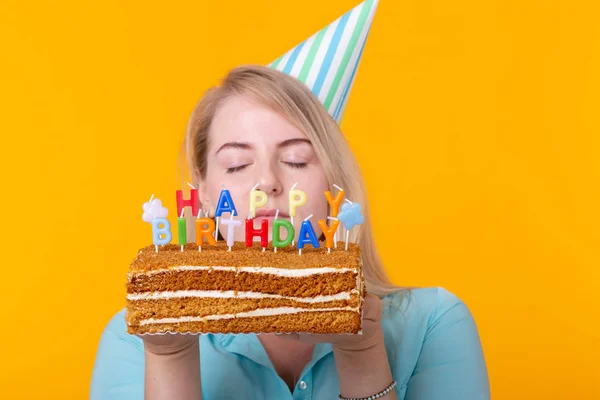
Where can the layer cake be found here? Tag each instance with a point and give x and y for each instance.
(245, 290)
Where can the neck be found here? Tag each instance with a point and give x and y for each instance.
(288, 356)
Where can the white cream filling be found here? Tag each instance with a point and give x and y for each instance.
(261, 312)
(287, 272)
(230, 294)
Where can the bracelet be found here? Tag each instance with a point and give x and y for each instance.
(374, 396)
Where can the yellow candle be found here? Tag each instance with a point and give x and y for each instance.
(258, 199)
(297, 199)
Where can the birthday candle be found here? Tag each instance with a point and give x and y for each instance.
(307, 235)
(297, 198)
(155, 214)
(192, 201)
(263, 232)
(225, 204)
(329, 231)
(334, 204)
(231, 225)
(350, 216)
(277, 225)
(258, 198)
(161, 232)
(204, 229)
(181, 229)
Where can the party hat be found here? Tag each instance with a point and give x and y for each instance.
(327, 61)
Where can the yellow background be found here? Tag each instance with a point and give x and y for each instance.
(476, 124)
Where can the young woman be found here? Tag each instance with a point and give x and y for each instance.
(263, 127)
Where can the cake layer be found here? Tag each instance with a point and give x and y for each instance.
(327, 321)
(144, 308)
(204, 279)
(240, 256)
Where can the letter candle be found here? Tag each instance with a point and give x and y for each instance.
(181, 228)
(335, 206)
(277, 225)
(258, 199)
(329, 232)
(225, 204)
(296, 198)
(263, 232)
(202, 232)
(231, 224)
(307, 235)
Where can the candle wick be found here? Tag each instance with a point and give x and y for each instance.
(192, 186)
(294, 185)
(348, 201)
(182, 211)
(277, 213)
(338, 188)
(332, 218)
(151, 197)
(255, 186)
(307, 218)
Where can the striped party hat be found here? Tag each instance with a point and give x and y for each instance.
(327, 61)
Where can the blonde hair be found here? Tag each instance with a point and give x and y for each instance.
(288, 96)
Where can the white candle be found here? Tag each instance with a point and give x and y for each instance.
(335, 234)
(276, 216)
(231, 225)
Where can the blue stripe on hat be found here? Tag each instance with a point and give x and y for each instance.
(335, 41)
(292, 60)
(338, 108)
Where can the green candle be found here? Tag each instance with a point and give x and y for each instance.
(181, 229)
(281, 223)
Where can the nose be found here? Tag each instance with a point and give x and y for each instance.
(269, 181)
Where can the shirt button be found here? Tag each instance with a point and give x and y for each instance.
(302, 385)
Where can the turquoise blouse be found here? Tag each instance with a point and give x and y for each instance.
(431, 339)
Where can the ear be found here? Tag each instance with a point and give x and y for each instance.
(203, 194)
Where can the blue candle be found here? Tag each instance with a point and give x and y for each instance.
(307, 235)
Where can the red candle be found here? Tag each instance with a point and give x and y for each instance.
(192, 201)
(263, 232)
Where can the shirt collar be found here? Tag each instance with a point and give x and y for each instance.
(249, 346)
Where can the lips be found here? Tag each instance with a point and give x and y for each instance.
(270, 212)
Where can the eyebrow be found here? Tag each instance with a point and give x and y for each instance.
(247, 146)
(294, 141)
(234, 145)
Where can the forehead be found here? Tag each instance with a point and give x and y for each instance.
(241, 118)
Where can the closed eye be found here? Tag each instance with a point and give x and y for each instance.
(295, 165)
(236, 169)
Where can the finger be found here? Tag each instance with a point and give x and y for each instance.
(372, 308)
(288, 336)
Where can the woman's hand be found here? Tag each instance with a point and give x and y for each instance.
(361, 360)
(372, 333)
(169, 343)
(172, 366)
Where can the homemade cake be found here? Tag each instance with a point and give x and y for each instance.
(245, 290)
